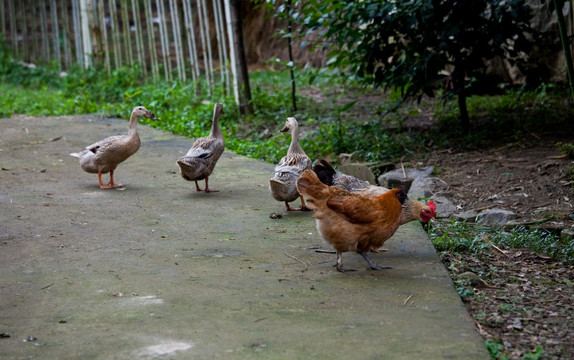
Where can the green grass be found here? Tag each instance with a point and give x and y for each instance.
(460, 237)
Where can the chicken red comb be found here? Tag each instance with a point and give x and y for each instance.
(432, 206)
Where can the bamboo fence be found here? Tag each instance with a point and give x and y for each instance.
(169, 39)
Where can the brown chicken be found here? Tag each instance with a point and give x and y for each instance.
(353, 222)
(412, 209)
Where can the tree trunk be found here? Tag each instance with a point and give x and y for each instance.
(241, 61)
(460, 90)
(464, 120)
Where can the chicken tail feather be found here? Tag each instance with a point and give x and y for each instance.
(310, 186)
(325, 172)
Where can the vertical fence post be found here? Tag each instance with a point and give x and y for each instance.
(204, 45)
(193, 58)
(44, 31)
(85, 9)
(77, 32)
(56, 32)
(65, 30)
(27, 48)
(139, 36)
(219, 31)
(151, 40)
(126, 31)
(164, 40)
(232, 55)
(104, 35)
(13, 32)
(177, 39)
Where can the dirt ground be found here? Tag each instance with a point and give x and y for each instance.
(527, 301)
(529, 177)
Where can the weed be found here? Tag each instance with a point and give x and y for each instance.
(496, 350)
(566, 149)
(537, 354)
(456, 236)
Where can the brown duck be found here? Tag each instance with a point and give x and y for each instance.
(104, 156)
(200, 160)
(283, 184)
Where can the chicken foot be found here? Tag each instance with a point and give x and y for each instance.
(372, 264)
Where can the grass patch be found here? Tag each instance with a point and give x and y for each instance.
(461, 237)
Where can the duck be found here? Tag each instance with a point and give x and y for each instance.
(104, 156)
(200, 160)
(329, 176)
(283, 184)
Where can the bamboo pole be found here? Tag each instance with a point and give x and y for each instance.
(193, 58)
(35, 41)
(232, 55)
(65, 31)
(218, 15)
(127, 31)
(114, 22)
(204, 45)
(151, 40)
(177, 39)
(291, 61)
(104, 32)
(27, 47)
(13, 32)
(56, 32)
(164, 40)
(86, 39)
(44, 31)
(77, 32)
(208, 41)
(139, 36)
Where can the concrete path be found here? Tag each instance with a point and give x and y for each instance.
(160, 271)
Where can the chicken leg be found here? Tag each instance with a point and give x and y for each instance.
(339, 264)
(372, 264)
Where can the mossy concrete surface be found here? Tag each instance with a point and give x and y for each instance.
(158, 270)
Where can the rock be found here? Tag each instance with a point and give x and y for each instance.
(495, 217)
(411, 173)
(359, 171)
(517, 324)
(422, 182)
(444, 207)
(422, 187)
(567, 235)
(399, 182)
(494, 320)
(466, 216)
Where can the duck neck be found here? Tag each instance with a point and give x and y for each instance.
(132, 131)
(215, 129)
(294, 147)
